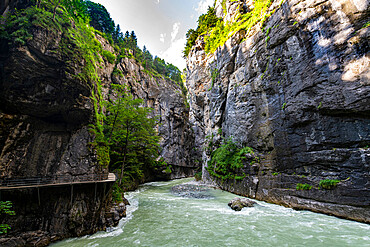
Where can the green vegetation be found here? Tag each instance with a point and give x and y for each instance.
(125, 138)
(367, 24)
(117, 72)
(216, 32)
(284, 106)
(328, 184)
(129, 130)
(117, 193)
(303, 187)
(267, 34)
(78, 43)
(126, 44)
(198, 176)
(5, 208)
(109, 56)
(205, 23)
(84, 17)
(215, 73)
(227, 161)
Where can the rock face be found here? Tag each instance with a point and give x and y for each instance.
(238, 203)
(45, 113)
(299, 96)
(49, 214)
(165, 97)
(44, 118)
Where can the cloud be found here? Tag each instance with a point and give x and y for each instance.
(162, 36)
(175, 31)
(203, 6)
(174, 53)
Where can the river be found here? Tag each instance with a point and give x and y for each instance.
(158, 217)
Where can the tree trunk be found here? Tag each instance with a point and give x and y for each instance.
(124, 154)
(114, 123)
(123, 166)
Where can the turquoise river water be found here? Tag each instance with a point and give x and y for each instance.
(158, 217)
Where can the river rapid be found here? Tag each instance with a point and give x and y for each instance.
(160, 216)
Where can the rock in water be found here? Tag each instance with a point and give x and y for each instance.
(238, 203)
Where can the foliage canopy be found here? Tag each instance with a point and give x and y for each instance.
(216, 31)
(125, 135)
(129, 130)
(227, 160)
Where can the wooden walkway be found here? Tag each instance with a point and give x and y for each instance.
(38, 182)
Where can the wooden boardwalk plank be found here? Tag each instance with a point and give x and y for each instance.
(111, 178)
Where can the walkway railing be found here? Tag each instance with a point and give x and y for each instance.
(52, 180)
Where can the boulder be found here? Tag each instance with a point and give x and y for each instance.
(238, 203)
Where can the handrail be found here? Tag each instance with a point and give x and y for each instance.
(57, 179)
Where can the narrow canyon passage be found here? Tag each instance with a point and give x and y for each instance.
(159, 217)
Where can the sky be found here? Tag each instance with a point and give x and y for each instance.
(160, 25)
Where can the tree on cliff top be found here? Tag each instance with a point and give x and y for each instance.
(130, 133)
(205, 23)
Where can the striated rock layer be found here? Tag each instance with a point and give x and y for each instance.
(165, 97)
(44, 118)
(45, 113)
(299, 95)
(49, 214)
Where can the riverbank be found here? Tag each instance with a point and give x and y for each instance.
(159, 217)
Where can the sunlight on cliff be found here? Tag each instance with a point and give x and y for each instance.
(358, 69)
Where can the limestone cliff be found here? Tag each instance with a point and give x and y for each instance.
(296, 89)
(47, 107)
(169, 104)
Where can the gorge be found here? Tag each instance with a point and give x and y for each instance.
(281, 88)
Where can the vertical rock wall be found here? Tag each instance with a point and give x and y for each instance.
(166, 98)
(298, 95)
(45, 113)
(49, 214)
(44, 132)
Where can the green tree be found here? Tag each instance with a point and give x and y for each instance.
(100, 18)
(173, 72)
(5, 208)
(77, 8)
(148, 59)
(132, 42)
(160, 66)
(117, 35)
(130, 133)
(38, 3)
(205, 23)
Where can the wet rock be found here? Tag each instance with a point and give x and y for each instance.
(299, 97)
(46, 110)
(238, 203)
(117, 212)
